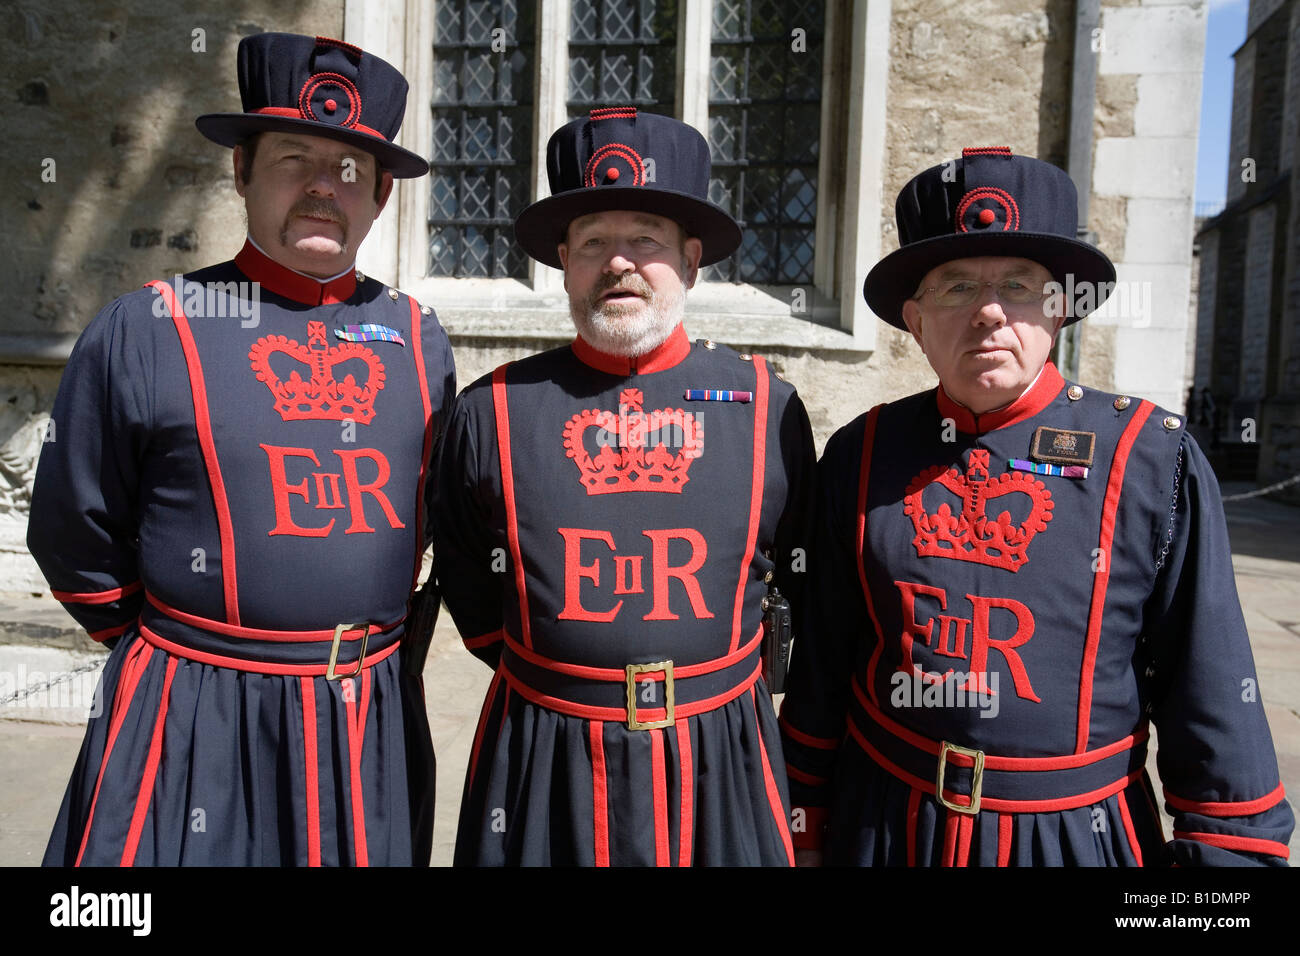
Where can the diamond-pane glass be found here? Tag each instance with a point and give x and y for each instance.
(622, 53)
(764, 126)
(482, 104)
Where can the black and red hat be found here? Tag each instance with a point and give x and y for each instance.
(988, 203)
(322, 87)
(617, 158)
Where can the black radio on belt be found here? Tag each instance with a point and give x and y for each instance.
(777, 635)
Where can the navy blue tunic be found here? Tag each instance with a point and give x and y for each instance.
(231, 479)
(971, 610)
(590, 518)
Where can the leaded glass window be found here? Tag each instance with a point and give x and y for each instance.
(764, 125)
(482, 136)
(621, 53)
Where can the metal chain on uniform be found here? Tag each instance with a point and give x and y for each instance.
(1264, 491)
(63, 677)
(1173, 510)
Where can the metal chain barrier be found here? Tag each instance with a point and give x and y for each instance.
(1264, 491)
(60, 678)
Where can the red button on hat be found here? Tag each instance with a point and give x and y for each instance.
(331, 106)
(611, 173)
(987, 216)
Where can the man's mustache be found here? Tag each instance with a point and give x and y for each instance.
(633, 284)
(319, 209)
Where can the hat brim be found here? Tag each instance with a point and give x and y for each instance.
(543, 226)
(230, 129)
(895, 278)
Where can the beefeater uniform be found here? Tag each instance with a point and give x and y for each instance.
(234, 500)
(1002, 604)
(605, 529)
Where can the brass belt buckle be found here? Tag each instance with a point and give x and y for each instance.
(339, 631)
(632, 671)
(976, 782)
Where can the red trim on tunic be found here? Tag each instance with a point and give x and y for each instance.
(950, 838)
(794, 733)
(145, 795)
(311, 780)
(1100, 580)
(257, 633)
(134, 665)
(773, 794)
(294, 285)
(1128, 828)
(659, 788)
(106, 633)
(995, 803)
(619, 714)
(249, 665)
(203, 426)
(1227, 808)
(913, 815)
(482, 724)
(356, 721)
(1226, 842)
(619, 675)
(483, 640)
(667, 354)
(96, 597)
(599, 796)
(1005, 827)
(965, 827)
(864, 480)
(794, 773)
(686, 824)
(992, 761)
(755, 495)
(502, 410)
(417, 350)
(1035, 398)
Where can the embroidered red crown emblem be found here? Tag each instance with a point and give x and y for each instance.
(321, 396)
(971, 535)
(654, 450)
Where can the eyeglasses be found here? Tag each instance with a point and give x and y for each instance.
(958, 292)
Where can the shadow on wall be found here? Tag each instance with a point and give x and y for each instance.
(111, 184)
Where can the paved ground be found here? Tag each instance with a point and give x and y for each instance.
(37, 757)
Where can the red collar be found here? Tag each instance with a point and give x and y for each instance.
(664, 356)
(293, 285)
(1035, 398)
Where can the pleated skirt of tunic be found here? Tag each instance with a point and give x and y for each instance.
(878, 820)
(546, 789)
(192, 764)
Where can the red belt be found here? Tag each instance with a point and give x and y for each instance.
(968, 780)
(615, 694)
(260, 651)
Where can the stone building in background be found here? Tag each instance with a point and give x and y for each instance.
(1245, 398)
(817, 112)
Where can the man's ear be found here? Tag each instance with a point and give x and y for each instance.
(385, 191)
(238, 156)
(912, 319)
(692, 250)
(563, 250)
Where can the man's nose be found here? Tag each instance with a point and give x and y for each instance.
(620, 260)
(989, 309)
(324, 179)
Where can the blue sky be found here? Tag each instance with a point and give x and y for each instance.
(1226, 32)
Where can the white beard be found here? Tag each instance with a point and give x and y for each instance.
(612, 329)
